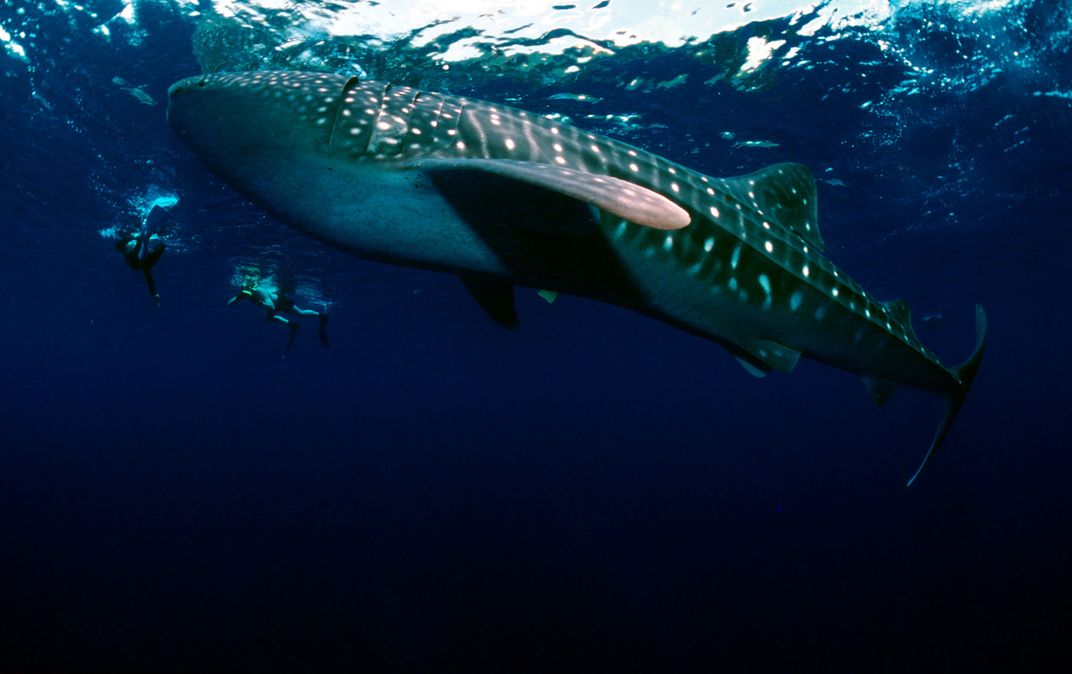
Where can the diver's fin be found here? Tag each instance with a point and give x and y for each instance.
(242, 295)
(760, 356)
(548, 296)
(291, 336)
(965, 374)
(622, 198)
(152, 286)
(323, 331)
(496, 298)
(156, 219)
(880, 389)
(783, 194)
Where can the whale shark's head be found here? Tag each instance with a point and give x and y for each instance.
(235, 121)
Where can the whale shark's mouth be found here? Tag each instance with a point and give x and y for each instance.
(183, 85)
(177, 90)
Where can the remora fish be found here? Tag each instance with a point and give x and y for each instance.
(502, 197)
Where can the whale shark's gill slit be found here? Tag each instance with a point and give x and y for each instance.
(459, 130)
(528, 132)
(474, 130)
(347, 90)
(437, 120)
(374, 125)
(423, 121)
(405, 113)
(390, 126)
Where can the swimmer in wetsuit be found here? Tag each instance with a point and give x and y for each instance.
(281, 309)
(143, 247)
(142, 253)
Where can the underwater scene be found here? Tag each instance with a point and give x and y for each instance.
(535, 336)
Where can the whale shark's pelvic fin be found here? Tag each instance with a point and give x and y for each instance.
(760, 356)
(757, 370)
(774, 355)
(965, 373)
(548, 296)
(622, 198)
(880, 389)
(496, 298)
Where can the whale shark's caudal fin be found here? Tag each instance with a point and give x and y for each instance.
(965, 372)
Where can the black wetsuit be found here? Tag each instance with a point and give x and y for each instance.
(142, 255)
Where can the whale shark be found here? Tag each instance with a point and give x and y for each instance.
(502, 197)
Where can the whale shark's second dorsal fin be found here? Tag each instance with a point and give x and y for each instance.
(783, 194)
(900, 311)
(622, 198)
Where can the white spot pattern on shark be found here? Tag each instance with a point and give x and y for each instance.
(768, 218)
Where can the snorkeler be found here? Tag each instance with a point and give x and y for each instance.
(142, 247)
(276, 304)
(933, 321)
(141, 253)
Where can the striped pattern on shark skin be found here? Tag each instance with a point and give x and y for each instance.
(737, 259)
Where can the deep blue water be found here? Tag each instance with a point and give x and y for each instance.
(595, 491)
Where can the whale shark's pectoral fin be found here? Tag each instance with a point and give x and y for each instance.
(774, 355)
(622, 198)
(496, 298)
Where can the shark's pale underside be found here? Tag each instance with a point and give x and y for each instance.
(502, 197)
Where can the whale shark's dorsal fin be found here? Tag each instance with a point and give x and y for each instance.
(899, 310)
(783, 194)
(622, 198)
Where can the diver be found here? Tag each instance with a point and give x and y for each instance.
(277, 303)
(933, 321)
(142, 247)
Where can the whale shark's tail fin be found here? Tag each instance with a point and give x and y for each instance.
(965, 373)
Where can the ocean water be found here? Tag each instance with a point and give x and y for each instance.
(595, 491)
